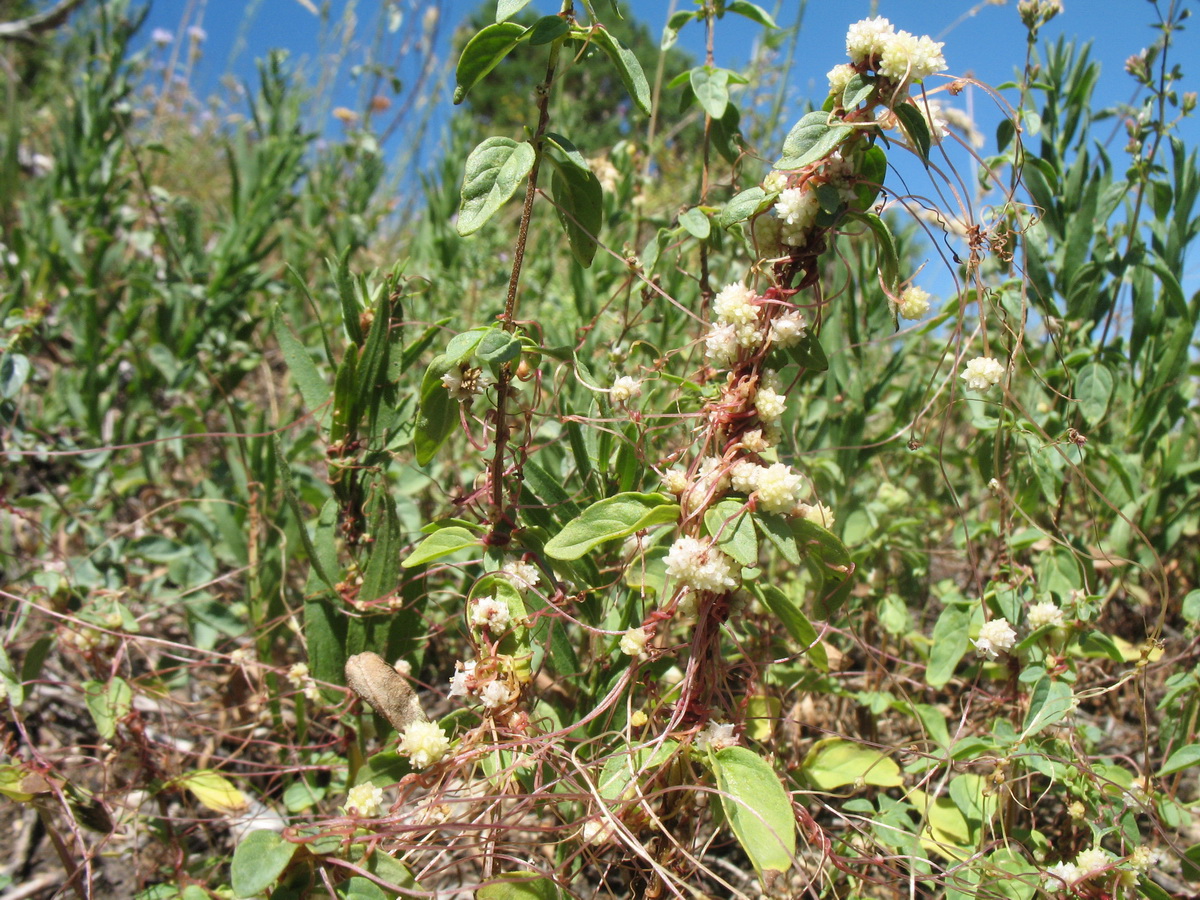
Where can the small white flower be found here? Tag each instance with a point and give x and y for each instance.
(777, 488)
(463, 383)
(754, 441)
(624, 389)
(365, 800)
(867, 38)
(788, 329)
(1045, 613)
(459, 685)
(675, 480)
(197, 34)
(715, 736)
(1091, 861)
(402, 667)
(797, 209)
(817, 513)
(297, 675)
(491, 613)
(161, 37)
(734, 304)
(769, 404)
(839, 76)
(914, 303)
(633, 642)
(424, 743)
(495, 693)
(522, 574)
(701, 566)
(743, 476)
(596, 831)
(721, 344)
(775, 181)
(1142, 858)
(1061, 876)
(982, 372)
(995, 636)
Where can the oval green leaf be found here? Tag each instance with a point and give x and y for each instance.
(495, 169)
(520, 886)
(441, 543)
(483, 53)
(609, 520)
(696, 223)
(950, 643)
(812, 138)
(758, 810)
(834, 763)
(711, 87)
(1093, 389)
(259, 859)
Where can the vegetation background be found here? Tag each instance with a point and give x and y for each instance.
(227, 308)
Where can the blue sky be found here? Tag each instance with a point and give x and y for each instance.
(982, 39)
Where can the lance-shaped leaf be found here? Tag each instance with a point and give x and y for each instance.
(627, 65)
(912, 120)
(812, 138)
(751, 11)
(578, 198)
(758, 810)
(483, 53)
(609, 520)
(888, 259)
(506, 9)
(495, 169)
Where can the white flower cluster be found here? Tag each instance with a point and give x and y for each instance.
(624, 389)
(897, 55)
(700, 566)
(797, 210)
(995, 636)
(463, 681)
(736, 326)
(633, 642)
(817, 513)
(1045, 613)
(424, 743)
(365, 800)
(716, 736)
(1088, 864)
(913, 303)
(776, 487)
(788, 329)
(298, 677)
(523, 575)
(491, 613)
(982, 372)
(464, 383)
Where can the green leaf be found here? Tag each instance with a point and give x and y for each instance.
(949, 644)
(483, 53)
(741, 206)
(915, 126)
(807, 354)
(578, 199)
(796, 623)
(14, 688)
(293, 502)
(872, 171)
(888, 258)
(627, 65)
(313, 388)
(751, 11)
(441, 543)
(627, 767)
(811, 139)
(506, 9)
(1183, 758)
(758, 810)
(520, 885)
(108, 702)
(495, 169)
(857, 90)
(736, 528)
(1093, 389)
(548, 29)
(260, 858)
(498, 347)
(609, 520)
(834, 763)
(1051, 701)
(776, 529)
(14, 370)
(696, 223)
(711, 87)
